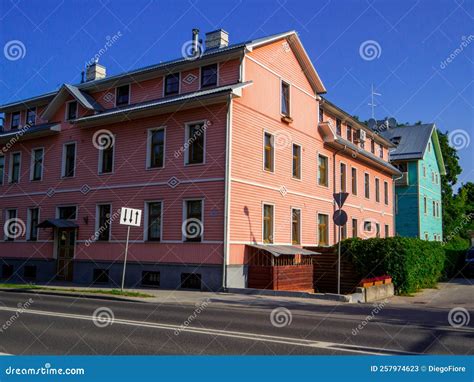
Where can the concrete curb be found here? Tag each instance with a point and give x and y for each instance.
(73, 294)
(277, 293)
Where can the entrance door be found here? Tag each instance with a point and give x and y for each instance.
(66, 244)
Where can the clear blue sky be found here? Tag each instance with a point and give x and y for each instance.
(409, 70)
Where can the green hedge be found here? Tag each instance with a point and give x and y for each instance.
(412, 263)
(455, 250)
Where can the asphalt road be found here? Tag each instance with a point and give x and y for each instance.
(59, 325)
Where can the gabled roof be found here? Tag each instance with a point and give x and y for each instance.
(412, 142)
(236, 50)
(83, 98)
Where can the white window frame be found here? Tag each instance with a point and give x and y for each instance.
(7, 210)
(385, 187)
(97, 218)
(300, 233)
(356, 181)
(10, 167)
(273, 151)
(148, 147)
(63, 160)
(289, 94)
(300, 164)
(100, 159)
(263, 221)
(67, 205)
(146, 220)
(186, 140)
(328, 171)
(340, 175)
(328, 228)
(184, 217)
(365, 194)
(28, 221)
(377, 194)
(32, 164)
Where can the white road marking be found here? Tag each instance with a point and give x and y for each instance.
(224, 333)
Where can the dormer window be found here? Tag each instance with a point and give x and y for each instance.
(122, 95)
(172, 84)
(396, 140)
(15, 121)
(31, 116)
(372, 146)
(381, 151)
(209, 76)
(71, 112)
(349, 133)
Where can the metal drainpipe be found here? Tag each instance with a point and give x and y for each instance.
(393, 201)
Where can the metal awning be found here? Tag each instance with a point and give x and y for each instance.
(58, 223)
(277, 250)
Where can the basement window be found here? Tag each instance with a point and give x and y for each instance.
(7, 271)
(151, 278)
(100, 276)
(191, 281)
(29, 272)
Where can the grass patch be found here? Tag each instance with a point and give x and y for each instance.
(113, 292)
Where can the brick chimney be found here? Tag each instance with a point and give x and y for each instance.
(217, 39)
(95, 71)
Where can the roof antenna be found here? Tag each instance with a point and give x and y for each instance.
(372, 103)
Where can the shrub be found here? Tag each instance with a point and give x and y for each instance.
(412, 263)
(455, 250)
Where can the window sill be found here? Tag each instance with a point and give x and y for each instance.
(194, 164)
(286, 119)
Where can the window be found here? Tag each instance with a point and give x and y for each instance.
(343, 177)
(323, 171)
(344, 232)
(67, 212)
(424, 171)
(381, 151)
(323, 229)
(191, 281)
(71, 112)
(172, 84)
(367, 226)
(387, 230)
(156, 148)
(354, 181)
(195, 139)
(2, 168)
(425, 206)
(367, 185)
(354, 227)
(11, 229)
(338, 127)
(103, 222)
(349, 133)
(15, 120)
(193, 230)
(296, 161)
(267, 223)
(15, 167)
(37, 164)
(295, 226)
(321, 114)
(100, 276)
(209, 76)
(434, 208)
(154, 210)
(106, 159)
(69, 160)
(427, 237)
(437, 209)
(31, 116)
(377, 230)
(385, 192)
(285, 99)
(29, 272)
(269, 152)
(377, 190)
(33, 220)
(372, 146)
(7, 271)
(122, 95)
(429, 146)
(151, 278)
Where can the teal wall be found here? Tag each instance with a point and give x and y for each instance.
(411, 220)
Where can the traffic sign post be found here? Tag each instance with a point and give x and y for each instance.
(131, 218)
(340, 219)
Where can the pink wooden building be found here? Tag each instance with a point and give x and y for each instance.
(230, 148)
